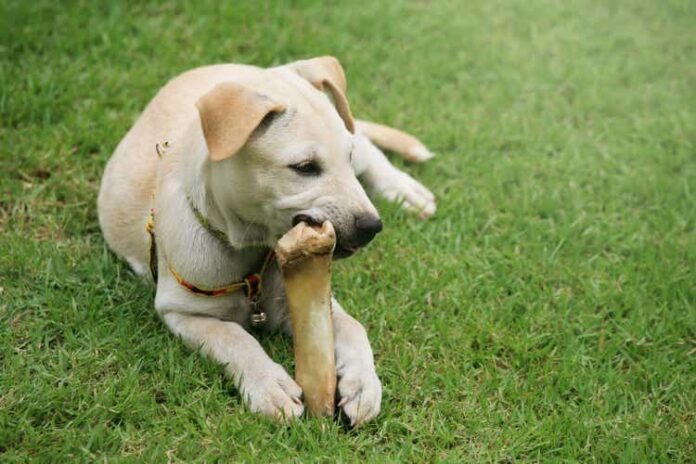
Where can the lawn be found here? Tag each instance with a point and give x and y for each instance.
(545, 313)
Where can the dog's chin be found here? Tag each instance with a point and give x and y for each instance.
(341, 252)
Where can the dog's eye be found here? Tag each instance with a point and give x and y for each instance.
(307, 168)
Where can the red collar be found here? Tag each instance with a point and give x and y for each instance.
(251, 284)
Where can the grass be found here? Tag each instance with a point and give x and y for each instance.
(546, 313)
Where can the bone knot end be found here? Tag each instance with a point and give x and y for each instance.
(304, 241)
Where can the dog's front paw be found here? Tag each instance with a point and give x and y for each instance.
(274, 394)
(360, 394)
(400, 187)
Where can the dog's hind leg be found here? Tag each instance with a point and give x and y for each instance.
(382, 178)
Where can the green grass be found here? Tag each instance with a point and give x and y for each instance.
(546, 313)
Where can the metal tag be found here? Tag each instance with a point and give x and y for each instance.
(258, 318)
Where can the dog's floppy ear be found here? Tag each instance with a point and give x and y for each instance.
(229, 114)
(326, 74)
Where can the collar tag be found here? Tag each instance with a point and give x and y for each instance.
(258, 319)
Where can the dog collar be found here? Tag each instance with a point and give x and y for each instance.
(251, 284)
(205, 223)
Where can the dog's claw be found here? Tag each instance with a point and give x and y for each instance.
(343, 401)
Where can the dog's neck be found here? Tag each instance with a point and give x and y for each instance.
(195, 180)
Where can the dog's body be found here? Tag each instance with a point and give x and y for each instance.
(252, 150)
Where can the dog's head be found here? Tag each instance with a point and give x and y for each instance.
(280, 152)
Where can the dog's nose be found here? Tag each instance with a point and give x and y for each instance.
(306, 218)
(367, 226)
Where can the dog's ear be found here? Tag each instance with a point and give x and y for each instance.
(229, 114)
(326, 74)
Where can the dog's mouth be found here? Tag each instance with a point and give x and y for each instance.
(341, 251)
(344, 248)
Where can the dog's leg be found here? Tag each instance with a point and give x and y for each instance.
(264, 385)
(380, 176)
(359, 387)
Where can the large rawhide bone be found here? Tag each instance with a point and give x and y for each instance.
(304, 255)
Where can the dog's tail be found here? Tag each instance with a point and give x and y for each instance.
(394, 140)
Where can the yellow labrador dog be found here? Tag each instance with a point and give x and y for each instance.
(222, 162)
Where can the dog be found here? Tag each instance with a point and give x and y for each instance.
(222, 162)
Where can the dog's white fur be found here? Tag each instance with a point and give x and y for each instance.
(232, 133)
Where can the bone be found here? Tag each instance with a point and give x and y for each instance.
(304, 255)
